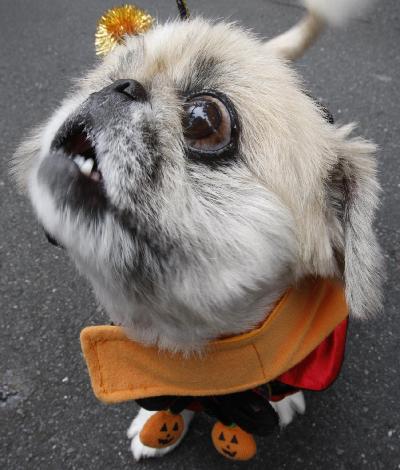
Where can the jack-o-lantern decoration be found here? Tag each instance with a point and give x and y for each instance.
(232, 442)
(163, 429)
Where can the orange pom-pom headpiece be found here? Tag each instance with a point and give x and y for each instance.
(119, 22)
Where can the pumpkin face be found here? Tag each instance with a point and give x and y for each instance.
(232, 442)
(163, 429)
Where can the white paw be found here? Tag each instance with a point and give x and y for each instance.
(288, 407)
(141, 451)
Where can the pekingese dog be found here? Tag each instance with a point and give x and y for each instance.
(193, 180)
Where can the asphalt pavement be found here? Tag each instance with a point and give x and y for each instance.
(49, 418)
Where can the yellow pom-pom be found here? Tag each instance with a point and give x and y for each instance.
(118, 22)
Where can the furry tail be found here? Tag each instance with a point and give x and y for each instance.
(293, 43)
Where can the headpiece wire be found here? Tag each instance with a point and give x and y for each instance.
(183, 9)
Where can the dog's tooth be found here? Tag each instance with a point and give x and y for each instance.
(87, 166)
(79, 160)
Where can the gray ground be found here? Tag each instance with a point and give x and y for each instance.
(49, 417)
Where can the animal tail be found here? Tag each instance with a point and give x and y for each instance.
(293, 43)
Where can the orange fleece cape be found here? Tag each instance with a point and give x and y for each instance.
(121, 369)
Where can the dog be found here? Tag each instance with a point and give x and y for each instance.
(193, 181)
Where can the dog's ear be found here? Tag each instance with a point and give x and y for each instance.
(353, 195)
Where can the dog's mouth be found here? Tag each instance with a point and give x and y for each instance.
(71, 170)
(80, 148)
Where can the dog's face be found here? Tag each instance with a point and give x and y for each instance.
(192, 181)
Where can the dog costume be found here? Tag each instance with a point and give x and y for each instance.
(299, 346)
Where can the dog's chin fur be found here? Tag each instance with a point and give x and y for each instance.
(179, 251)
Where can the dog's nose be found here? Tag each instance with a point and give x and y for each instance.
(130, 88)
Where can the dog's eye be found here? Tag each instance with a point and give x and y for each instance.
(207, 124)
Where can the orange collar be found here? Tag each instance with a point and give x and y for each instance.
(121, 369)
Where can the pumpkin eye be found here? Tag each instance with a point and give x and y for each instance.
(207, 124)
(234, 440)
(164, 428)
(221, 437)
(176, 427)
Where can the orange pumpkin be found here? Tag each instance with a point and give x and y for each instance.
(163, 429)
(232, 442)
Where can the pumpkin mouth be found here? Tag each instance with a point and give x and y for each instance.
(165, 442)
(229, 453)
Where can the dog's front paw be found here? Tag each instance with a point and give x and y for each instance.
(139, 450)
(288, 407)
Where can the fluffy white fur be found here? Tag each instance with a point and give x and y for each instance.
(289, 407)
(203, 251)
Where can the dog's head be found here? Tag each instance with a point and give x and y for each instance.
(192, 180)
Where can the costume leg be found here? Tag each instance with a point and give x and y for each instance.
(139, 450)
